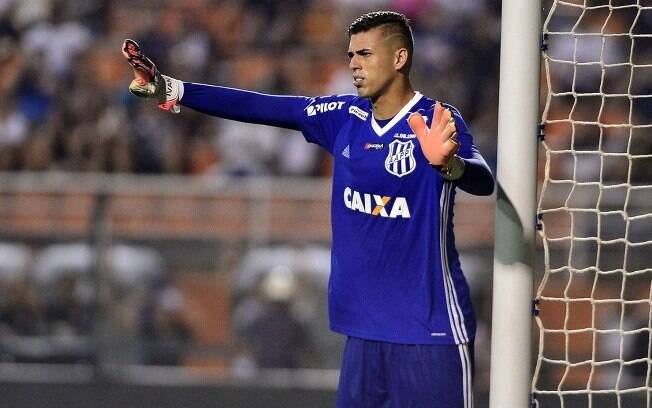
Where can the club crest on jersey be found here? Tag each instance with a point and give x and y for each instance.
(400, 159)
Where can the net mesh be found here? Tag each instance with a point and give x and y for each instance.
(595, 207)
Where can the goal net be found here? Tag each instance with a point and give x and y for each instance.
(595, 209)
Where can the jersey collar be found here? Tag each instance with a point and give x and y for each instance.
(382, 130)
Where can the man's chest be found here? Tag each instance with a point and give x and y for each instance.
(364, 157)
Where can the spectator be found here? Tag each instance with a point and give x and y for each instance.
(163, 326)
(70, 84)
(275, 337)
(67, 313)
(22, 312)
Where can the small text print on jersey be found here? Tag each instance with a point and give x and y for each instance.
(355, 111)
(374, 146)
(400, 159)
(405, 136)
(376, 205)
(312, 110)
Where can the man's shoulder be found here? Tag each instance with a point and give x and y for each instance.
(428, 103)
(343, 104)
(427, 106)
(359, 107)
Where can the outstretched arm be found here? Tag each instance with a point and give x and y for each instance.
(228, 103)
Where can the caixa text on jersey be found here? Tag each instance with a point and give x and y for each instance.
(376, 205)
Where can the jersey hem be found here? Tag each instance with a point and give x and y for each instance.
(391, 339)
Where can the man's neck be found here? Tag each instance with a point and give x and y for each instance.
(387, 105)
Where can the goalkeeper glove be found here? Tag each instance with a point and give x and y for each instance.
(148, 81)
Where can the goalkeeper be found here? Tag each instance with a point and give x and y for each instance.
(396, 288)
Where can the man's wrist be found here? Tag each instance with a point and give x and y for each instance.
(454, 170)
(172, 92)
(173, 88)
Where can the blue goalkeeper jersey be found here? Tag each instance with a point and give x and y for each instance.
(395, 273)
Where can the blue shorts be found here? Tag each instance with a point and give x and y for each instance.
(377, 374)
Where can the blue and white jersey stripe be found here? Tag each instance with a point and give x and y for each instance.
(467, 375)
(455, 315)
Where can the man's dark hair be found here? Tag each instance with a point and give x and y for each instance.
(391, 22)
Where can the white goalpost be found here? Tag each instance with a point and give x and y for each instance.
(593, 305)
(516, 202)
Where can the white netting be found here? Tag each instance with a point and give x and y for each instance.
(595, 208)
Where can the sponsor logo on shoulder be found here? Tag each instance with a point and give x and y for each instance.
(324, 107)
(373, 146)
(355, 111)
(405, 136)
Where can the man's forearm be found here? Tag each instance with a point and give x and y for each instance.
(245, 106)
(477, 178)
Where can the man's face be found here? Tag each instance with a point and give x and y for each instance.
(372, 63)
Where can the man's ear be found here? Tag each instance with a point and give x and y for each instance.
(400, 58)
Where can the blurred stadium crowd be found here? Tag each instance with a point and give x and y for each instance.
(65, 105)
